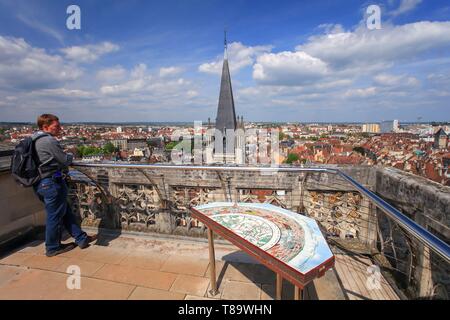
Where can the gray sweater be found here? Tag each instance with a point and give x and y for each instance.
(51, 154)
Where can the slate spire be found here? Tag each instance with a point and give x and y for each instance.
(226, 115)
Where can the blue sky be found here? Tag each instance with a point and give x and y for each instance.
(161, 60)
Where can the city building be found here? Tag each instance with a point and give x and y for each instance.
(440, 139)
(389, 126)
(371, 128)
(120, 143)
(136, 144)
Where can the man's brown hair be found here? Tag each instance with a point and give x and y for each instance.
(46, 120)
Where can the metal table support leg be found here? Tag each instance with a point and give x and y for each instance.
(212, 263)
(298, 293)
(279, 286)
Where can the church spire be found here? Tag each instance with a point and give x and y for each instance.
(225, 44)
(226, 115)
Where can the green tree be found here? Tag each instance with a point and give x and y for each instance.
(360, 150)
(109, 148)
(89, 150)
(171, 145)
(292, 157)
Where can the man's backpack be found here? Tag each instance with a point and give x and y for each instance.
(25, 162)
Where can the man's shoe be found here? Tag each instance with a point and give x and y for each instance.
(63, 248)
(84, 244)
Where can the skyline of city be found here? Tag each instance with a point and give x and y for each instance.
(290, 62)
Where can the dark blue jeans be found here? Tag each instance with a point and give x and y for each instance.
(53, 192)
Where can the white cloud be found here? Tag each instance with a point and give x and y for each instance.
(330, 28)
(385, 79)
(169, 71)
(239, 56)
(368, 47)
(25, 67)
(405, 6)
(138, 79)
(288, 68)
(361, 93)
(129, 86)
(37, 24)
(192, 93)
(141, 84)
(63, 92)
(89, 53)
(346, 56)
(139, 71)
(112, 74)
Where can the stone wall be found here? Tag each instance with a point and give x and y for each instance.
(138, 200)
(21, 211)
(428, 204)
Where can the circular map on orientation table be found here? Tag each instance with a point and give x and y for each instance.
(261, 232)
(273, 232)
(287, 236)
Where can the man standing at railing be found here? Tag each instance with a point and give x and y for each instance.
(52, 188)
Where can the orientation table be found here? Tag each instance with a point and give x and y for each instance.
(286, 242)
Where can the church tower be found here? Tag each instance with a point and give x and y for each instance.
(226, 124)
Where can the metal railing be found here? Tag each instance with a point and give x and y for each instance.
(417, 231)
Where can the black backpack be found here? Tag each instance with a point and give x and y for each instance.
(25, 162)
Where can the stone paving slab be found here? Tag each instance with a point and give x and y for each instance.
(87, 268)
(141, 293)
(43, 262)
(189, 297)
(32, 284)
(105, 255)
(145, 260)
(136, 276)
(8, 273)
(184, 265)
(16, 258)
(129, 267)
(191, 285)
(236, 290)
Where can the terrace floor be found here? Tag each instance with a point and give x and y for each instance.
(153, 267)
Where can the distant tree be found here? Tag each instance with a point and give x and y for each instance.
(281, 136)
(109, 148)
(360, 150)
(365, 134)
(292, 157)
(171, 145)
(85, 151)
